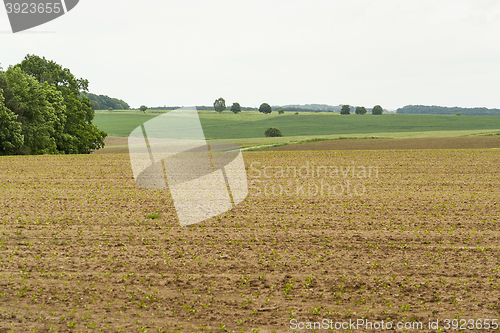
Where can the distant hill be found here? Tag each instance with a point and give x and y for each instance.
(201, 107)
(317, 108)
(161, 107)
(103, 102)
(228, 108)
(310, 107)
(425, 109)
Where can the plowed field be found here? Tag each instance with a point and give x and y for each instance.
(472, 142)
(394, 236)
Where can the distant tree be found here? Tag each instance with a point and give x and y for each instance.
(236, 108)
(273, 132)
(220, 105)
(296, 113)
(103, 102)
(346, 109)
(110, 109)
(458, 114)
(265, 108)
(281, 111)
(143, 108)
(377, 109)
(360, 110)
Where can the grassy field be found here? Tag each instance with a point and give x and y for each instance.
(251, 125)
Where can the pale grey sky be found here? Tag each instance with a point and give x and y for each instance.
(358, 52)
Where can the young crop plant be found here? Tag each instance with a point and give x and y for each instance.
(154, 216)
(408, 214)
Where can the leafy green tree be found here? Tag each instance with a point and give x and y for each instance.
(81, 136)
(346, 109)
(377, 109)
(360, 110)
(236, 108)
(281, 111)
(265, 108)
(220, 105)
(143, 108)
(110, 109)
(66, 143)
(273, 132)
(11, 137)
(27, 98)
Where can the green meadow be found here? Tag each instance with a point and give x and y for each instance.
(249, 126)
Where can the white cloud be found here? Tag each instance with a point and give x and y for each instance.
(361, 52)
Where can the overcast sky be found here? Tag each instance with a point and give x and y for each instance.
(358, 52)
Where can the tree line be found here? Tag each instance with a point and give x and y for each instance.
(43, 110)
(346, 109)
(220, 106)
(425, 109)
(103, 102)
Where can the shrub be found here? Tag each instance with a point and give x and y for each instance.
(273, 132)
(154, 216)
(281, 111)
(296, 113)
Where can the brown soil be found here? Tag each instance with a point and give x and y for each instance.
(114, 145)
(111, 150)
(78, 252)
(476, 142)
(115, 141)
(473, 142)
